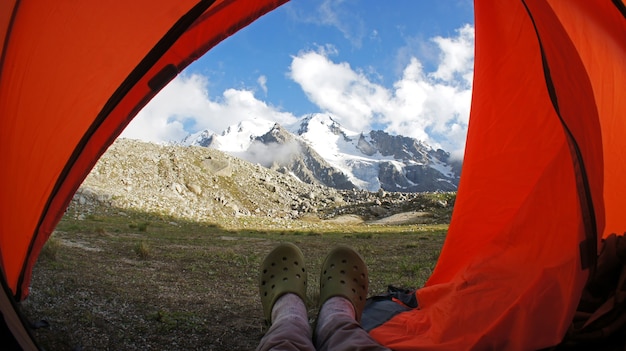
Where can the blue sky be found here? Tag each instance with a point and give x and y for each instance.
(403, 66)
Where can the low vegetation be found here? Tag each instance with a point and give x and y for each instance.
(135, 281)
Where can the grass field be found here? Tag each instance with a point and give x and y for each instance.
(132, 281)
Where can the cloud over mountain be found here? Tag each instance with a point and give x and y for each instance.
(319, 150)
(431, 106)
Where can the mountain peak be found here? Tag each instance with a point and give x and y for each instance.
(316, 121)
(277, 134)
(201, 138)
(318, 149)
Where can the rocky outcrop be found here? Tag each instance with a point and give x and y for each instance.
(380, 160)
(365, 147)
(413, 178)
(416, 168)
(195, 183)
(206, 185)
(318, 150)
(305, 163)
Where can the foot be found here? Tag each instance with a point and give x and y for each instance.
(283, 271)
(344, 273)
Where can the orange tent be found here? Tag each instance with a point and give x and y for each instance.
(72, 77)
(541, 178)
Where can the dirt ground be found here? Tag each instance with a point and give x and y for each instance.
(106, 284)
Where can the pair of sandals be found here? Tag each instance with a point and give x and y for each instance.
(344, 273)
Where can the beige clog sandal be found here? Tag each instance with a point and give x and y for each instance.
(283, 271)
(344, 273)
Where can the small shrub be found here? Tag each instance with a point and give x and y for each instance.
(143, 226)
(143, 250)
(51, 248)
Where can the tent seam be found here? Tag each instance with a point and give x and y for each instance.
(582, 180)
(621, 7)
(177, 30)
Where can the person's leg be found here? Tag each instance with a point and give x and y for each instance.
(282, 286)
(343, 292)
(338, 329)
(290, 328)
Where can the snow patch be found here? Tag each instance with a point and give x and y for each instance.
(340, 147)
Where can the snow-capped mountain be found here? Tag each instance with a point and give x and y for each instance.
(235, 139)
(317, 149)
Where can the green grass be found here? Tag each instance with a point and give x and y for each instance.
(51, 249)
(143, 250)
(180, 285)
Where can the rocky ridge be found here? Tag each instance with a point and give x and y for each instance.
(207, 185)
(317, 149)
(307, 165)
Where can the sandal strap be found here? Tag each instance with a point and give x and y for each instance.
(344, 273)
(283, 271)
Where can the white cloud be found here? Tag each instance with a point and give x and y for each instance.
(457, 56)
(181, 102)
(331, 13)
(338, 14)
(432, 107)
(241, 105)
(338, 89)
(184, 106)
(262, 80)
(374, 35)
(268, 154)
(432, 111)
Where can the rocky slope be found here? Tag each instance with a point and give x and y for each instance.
(203, 184)
(305, 164)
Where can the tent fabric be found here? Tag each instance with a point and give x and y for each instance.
(72, 78)
(542, 175)
(541, 180)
